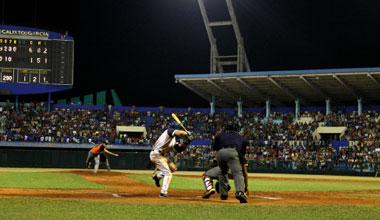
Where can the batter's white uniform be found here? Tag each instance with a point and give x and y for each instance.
(164, 144)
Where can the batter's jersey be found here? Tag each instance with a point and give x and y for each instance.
(165, 143)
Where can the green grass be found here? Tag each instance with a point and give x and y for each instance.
(38, 208)
(48, 208)
(317, 186)
(46, 181)
(262, 185)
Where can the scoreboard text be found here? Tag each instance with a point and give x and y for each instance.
(25, 60)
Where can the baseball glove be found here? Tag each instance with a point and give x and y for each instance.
(214, 163)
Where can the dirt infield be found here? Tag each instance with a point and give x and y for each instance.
(125, 189)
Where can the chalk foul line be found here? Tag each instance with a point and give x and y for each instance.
(266, 197)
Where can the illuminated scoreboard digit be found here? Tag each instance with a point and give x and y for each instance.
(23, 53)
(23, 76)
(7, 75)
(34, 56)
(45, 76)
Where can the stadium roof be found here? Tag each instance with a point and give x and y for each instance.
(310, 87)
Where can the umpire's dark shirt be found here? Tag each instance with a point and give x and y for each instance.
(227, 139)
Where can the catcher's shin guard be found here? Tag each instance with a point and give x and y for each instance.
(207, 181)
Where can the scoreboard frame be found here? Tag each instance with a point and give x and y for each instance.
(35, 56)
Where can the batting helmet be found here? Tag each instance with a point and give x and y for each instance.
(174, 125)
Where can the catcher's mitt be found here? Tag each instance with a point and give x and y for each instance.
(214, 163)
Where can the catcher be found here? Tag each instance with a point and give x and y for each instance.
(165, 144)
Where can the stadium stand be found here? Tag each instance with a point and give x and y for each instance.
(276, 143)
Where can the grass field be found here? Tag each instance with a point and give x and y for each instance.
(45, 181)
(22, 206)
(265, 185)
(37, 208)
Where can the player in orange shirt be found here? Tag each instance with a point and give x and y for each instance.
(95, 153)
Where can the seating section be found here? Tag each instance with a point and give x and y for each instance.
(271, 140)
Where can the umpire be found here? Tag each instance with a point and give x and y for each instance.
(231, 148)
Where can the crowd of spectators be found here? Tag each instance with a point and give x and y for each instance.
(311, 156)
(65, 126)
(271, 141)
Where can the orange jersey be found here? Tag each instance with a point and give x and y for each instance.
(98, 149)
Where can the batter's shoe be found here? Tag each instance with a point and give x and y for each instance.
(208, 193)
(156, 180)
(162, 195)
(241, 197)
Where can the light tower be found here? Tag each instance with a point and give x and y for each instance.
(236, 62)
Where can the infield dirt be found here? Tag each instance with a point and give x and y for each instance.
(125, 189)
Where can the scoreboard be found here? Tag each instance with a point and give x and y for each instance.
(35, 56)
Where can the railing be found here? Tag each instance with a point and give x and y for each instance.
(53, 145)
(312, 166)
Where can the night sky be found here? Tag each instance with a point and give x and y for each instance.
(137, 46)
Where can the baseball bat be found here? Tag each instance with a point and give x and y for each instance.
(178, 121)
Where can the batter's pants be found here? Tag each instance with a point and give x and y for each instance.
(161, 163)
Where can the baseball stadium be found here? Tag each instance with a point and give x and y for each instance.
(282, 144)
